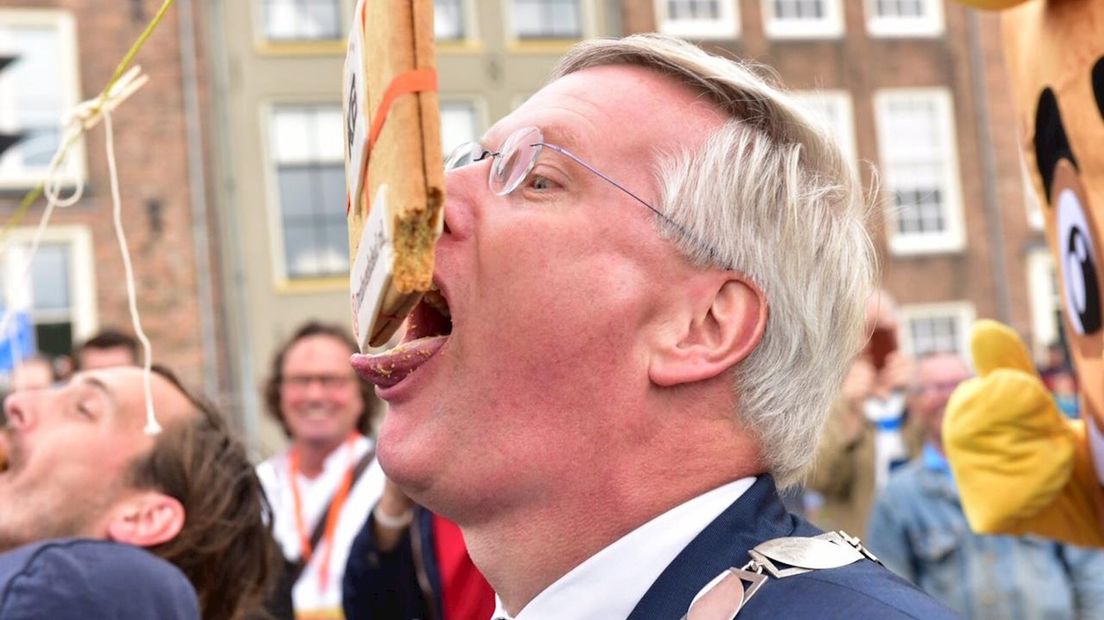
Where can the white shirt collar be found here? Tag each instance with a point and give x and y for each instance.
(609, 584)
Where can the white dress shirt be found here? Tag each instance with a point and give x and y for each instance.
(315, 493)
(609, 584)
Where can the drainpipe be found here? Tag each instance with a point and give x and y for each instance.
(994, 227)
(197, 188)
(241, 364)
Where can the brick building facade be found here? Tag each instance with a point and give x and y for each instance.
(917, 90)
(66, 51)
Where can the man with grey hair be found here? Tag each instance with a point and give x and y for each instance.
(652, 279)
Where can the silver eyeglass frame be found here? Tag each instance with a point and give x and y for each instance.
(475, 152)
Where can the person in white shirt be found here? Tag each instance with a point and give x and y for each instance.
(327, 480)
(654, 271)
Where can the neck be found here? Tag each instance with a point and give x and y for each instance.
(569, 524)
(313, 454)
(937, 442)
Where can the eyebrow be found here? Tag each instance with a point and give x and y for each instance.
(561, 136)
(100, 385)
(553, 133)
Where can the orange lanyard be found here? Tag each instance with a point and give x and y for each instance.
(331, 515)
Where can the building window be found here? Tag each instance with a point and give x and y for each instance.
(449, 23)
(547, 19)
(459, 124)
(920, 170)
(38, 86)
(834, 109)
(698, 19)
(1045, 300)
(904, 18)
(310, 184)
(802, 19)
(936, 328)
(302, 20)
(58, 295)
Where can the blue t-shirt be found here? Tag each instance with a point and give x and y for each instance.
(75, 579)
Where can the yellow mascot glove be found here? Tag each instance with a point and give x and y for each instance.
(1021, 466)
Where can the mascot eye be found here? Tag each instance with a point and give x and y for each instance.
(1075, 246)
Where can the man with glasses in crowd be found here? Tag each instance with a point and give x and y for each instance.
(655, 272)
(322, 487)
(919, 530)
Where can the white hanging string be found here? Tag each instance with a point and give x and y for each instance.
(152, 427)
(84, 117)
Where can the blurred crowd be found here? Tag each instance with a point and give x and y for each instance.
(329, 535)
(343, 541)
(881, 471)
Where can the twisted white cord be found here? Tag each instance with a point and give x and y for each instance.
(152, 427)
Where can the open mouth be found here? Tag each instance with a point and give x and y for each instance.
(427, 329)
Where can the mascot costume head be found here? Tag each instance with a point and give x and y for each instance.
(1020, 465)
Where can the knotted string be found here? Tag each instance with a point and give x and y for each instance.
(85, 116)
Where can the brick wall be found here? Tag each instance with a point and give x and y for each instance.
(861, 64)
(151, 151)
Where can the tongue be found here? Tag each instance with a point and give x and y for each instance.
(388, 368)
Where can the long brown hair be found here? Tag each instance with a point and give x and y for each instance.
(276, 375)
(225, 547)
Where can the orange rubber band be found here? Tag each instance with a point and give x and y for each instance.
(406, 83)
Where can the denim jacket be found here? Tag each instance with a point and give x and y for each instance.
(918, 529)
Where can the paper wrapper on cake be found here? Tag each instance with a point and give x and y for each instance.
(394, 174)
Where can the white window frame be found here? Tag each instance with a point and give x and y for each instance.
(268, 110)
(842, 123)
(1044, 300)
(725, 27)
(953, 239)
(962, 311)
(931, 25)
(82, 274)
(479, 113)
(587, 17)
(828, 27)
(344, 18)
(75, 168)
(471, 24)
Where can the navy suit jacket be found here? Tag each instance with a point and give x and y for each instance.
(77, 579)
(859, 591)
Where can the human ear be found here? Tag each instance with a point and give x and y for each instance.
(716, 336)
(146, 519)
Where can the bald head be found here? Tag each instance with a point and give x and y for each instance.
(936, 378)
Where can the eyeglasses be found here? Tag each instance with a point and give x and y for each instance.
(327, 382)
(516, 159)
(511, 165)
(939, 387)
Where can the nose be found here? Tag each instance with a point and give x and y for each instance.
(19, 408)
(315, 391)
(461, 199)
